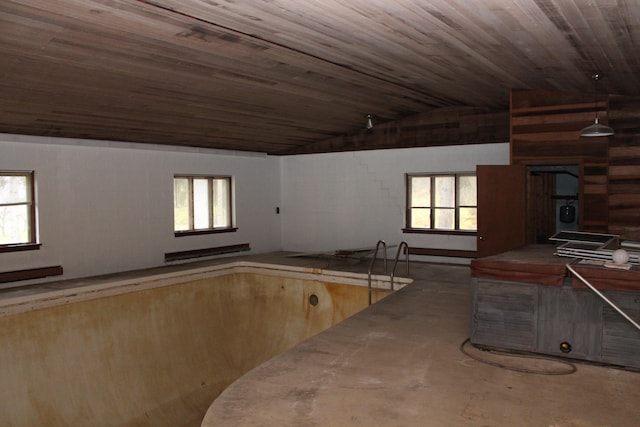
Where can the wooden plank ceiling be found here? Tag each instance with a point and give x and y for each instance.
(285, 76)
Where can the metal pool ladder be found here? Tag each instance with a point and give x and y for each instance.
(395, 262)
(373, 261)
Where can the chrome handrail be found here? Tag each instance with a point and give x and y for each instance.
(395, 263)
(373, 260)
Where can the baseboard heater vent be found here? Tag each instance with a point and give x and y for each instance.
(200, 253)
(454, 253)
(32, 273)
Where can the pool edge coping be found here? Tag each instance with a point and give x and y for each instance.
(78, 290)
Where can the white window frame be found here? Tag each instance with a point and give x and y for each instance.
(410, 207)
(32, 235)
(192, 228)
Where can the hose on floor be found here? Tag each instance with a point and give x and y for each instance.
(570, 370)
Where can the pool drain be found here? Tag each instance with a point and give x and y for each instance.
(313, 299)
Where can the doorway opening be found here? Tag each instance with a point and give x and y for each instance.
(552, 201)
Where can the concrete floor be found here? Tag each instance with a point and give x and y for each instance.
(398, 363)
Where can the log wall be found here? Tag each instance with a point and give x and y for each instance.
(545, 129)
(624, 167)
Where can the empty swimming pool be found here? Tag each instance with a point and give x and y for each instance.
(156, 349)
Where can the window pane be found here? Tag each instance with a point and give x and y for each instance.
(14, 189)
(445, 219)
(420, 191)
(420, 218)
(468, 219)
(180, 204)
(467, 191)
(200, 203)
(449, 201)
(445, 191)
(221, 212)
(14, 224)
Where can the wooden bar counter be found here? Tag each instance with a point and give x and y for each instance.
(526, 300)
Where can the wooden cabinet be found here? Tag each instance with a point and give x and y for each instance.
(546, 308)
(504, 314)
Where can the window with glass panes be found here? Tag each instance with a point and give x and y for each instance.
(202, 203)
(17, 209)
(442, 202)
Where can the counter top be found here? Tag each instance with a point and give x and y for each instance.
(530, 264)
(537, 264)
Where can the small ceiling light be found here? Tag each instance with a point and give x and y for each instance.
(369, 122)
(596, 129)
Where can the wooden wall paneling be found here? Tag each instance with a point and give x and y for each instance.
(504, 314)
(557, 151)
(594, 212)
(624, 167)
(546, 126)
(539, 318)
(531, 220)
(569, 315)
(541, 222)
(447, 126)
(619, 337)
(548, 208)
(545, 129)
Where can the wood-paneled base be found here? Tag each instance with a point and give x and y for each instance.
(540, 318)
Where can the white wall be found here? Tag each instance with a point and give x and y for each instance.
(105, 207)
(349, 200)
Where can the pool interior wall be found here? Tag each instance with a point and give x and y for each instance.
(156, 351)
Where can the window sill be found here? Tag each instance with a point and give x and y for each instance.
(207, 231)
(20, 247)
(429, 231)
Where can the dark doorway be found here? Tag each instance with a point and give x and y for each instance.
(552, 201)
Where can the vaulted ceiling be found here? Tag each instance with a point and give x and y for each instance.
(278, 76)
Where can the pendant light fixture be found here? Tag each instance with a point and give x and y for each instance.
(596, 129)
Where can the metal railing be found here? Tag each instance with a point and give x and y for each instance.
(373, 261)
(395, 262)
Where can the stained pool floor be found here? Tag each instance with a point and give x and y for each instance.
(399, 363)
